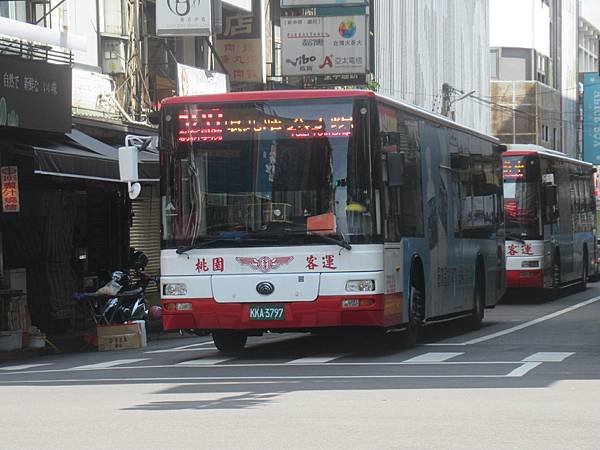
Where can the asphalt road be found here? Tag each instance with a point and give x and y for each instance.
(530, 378)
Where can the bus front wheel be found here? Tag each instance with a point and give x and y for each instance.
(414, 331)
(229, 342)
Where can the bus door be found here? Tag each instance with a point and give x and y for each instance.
(566, 225)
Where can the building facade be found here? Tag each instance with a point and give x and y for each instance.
(420, 45)
(533, 65)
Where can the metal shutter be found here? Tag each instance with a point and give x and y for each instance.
(145, 229)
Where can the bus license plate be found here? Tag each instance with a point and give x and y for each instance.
(266, 312)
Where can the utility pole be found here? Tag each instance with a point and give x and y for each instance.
(446, 101)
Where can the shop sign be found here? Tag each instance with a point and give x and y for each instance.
(35, 95)
(240, 46)
(10, 189)
(591, 118)
(324, 45)
(195, 81)
(183, 18)
(311, 3)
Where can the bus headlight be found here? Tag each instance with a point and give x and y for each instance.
(530, 264)
(360, 285)
(173, 289)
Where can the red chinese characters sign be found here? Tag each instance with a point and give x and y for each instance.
(10, 189)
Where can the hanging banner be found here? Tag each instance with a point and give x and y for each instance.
(591, 118)
(10, 189)
(195, 81)
(183, 18)
(324, 45)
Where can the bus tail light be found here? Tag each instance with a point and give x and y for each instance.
(360, 285)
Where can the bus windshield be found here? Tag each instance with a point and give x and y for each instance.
(521, 197)
(264, 172)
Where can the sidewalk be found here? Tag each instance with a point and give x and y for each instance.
(75, 342)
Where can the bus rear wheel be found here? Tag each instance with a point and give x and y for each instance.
(229, 342)
(584, 271)
(476, 318)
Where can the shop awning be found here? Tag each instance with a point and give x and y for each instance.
(78, 155)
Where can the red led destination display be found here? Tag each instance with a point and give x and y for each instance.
(214, 125)
(514, 169)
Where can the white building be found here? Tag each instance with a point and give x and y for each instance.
(533, 60)
(422, 44)
(589, 35)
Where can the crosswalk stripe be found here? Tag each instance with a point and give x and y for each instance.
(186, 348)
(548, 357)
(433, 357)
(204, 362)
(107, 364)
(24, 366)
(315, 359)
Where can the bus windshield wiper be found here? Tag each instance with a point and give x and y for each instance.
(514, 237)
(186, 248)
(341, 242)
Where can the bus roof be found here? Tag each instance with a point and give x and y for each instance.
(317, 94)
(530, 149)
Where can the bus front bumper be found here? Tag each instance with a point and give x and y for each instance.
(206, 314)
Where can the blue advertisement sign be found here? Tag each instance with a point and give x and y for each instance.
(591, 118)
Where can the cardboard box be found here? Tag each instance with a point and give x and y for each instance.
(121, 337)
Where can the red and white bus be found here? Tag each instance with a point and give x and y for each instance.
(303, 210)
(550, 209)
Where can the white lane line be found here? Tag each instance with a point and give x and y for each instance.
(244, 380)
(521, 326)
(107, 364)
(526, 367)
(203, 362)
(24, 366)
(433, 357)
(548, 357)
(183, 348)
(309, 360)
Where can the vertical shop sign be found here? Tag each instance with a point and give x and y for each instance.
(591, 118)
(241, 46)
(10, 189)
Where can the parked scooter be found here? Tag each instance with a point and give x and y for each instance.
(117, 301)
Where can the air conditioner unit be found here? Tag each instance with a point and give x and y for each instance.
(113, 56)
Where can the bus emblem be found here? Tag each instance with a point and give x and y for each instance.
(265, 264)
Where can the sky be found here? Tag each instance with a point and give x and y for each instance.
(591, 11)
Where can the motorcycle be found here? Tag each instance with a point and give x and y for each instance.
(117, 301)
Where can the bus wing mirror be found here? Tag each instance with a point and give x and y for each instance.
(154, 117)
(128, 169)
(395, 169)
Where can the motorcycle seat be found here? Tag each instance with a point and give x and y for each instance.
(131, 293)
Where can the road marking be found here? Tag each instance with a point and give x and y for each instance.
(310, 360)
(185, 348)
(433, 357)
(520, 371)
(548, 357)
(521, 326)
(24, 366)
(203, 362)
(107, 364)
(243, 380)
